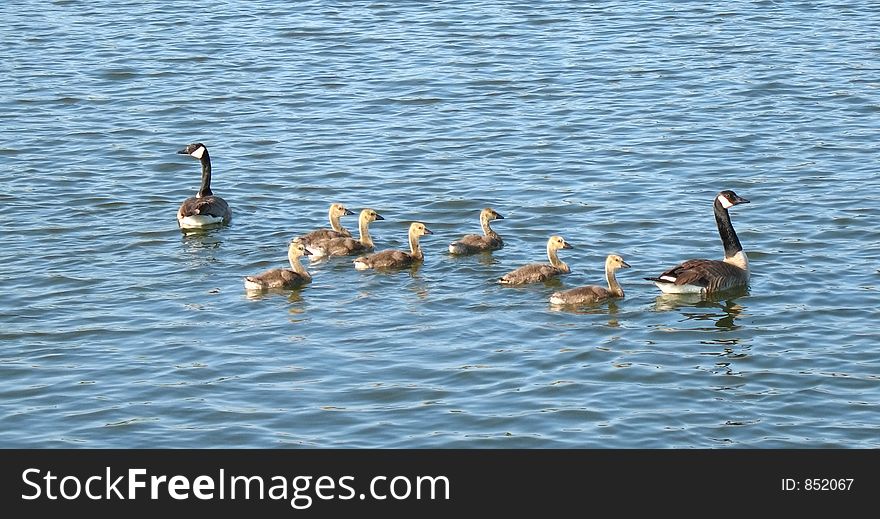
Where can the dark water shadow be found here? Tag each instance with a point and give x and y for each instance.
(722, 308)
(608, 308)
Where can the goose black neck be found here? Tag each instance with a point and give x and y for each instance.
(205, 189)
(725, 229)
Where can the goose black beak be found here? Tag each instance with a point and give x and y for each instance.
(183, 152)
(741, 200)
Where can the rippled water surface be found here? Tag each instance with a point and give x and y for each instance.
(611, 123)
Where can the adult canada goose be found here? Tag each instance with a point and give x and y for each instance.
(205, 209)
(336, 231)
(707, 276)
(474, 243)
(293, 277)
(349, 246)
(393, 258)
(537, 272)
(592, 293)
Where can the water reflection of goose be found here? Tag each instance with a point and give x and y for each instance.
(729, 308)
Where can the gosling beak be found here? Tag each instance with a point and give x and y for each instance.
(567, 245)
(379, 217)
(624, 265)
(347, 213)
(498, 217)
(428, 231)
(307, 252)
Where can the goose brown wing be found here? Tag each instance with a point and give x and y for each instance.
(207, 205)
(702, 272)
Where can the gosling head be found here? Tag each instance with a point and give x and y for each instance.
(297, 249)
(196, 149)
(370, 215)
(614, 262)
(339, 210)
(558, 242)
(728, 199)
(490, 214)
(419, 229)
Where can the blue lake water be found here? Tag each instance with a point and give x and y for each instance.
(613, 124)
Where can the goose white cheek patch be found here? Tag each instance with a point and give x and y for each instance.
(198, 152)
(725, 203)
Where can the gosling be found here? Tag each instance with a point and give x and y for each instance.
(394, 259)
(474, 243)
(336, 229)
(348, 246)
(283, 278)
(538, 272)
(594, 294)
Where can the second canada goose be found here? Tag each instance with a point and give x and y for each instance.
(538, 272)
(293, 277)
(336, 229)
(474, 243)
(349, 246)
(706, 276)
(393, 258)
(592, 293)
(205, 209)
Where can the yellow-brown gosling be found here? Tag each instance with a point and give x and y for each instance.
(336, 229)
(706, 276)
(283, 278)
(474, 243)
(392, 258)
(592, 293)
(205, 209)
(349, 246)
(538, 272)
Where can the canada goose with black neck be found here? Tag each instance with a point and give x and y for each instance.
(283, 278)
(538, 272)
(706, 276)
(474, 243)
(205, 209)
(393, 258)
(592, 293)
(349, 246)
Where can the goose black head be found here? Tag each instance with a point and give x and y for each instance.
(196, 149)
(728, 199)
